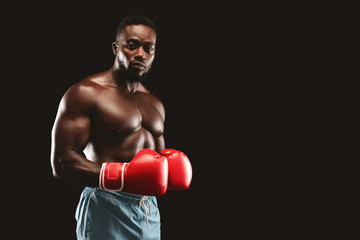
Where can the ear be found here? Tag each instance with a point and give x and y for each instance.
(114, 47)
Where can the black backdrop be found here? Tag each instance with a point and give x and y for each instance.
(219, 71)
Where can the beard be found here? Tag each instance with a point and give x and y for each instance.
(131, 76)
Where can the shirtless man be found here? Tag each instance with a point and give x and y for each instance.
(108, 137)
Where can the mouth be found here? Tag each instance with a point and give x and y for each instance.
(137, 64)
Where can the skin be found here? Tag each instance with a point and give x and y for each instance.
(109, 116)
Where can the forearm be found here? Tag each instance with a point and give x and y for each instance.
(159, 143)
(72, 167)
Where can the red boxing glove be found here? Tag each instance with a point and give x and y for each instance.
(180, 170)
(146, 174)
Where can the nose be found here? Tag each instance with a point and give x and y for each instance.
(140, 54)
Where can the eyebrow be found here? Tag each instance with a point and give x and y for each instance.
(137, 40)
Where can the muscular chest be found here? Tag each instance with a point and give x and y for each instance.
(123, 115)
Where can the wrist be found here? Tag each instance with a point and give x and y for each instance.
(111, 176)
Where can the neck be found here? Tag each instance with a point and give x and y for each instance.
(122, 81)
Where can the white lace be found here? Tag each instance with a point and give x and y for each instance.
(142, 203)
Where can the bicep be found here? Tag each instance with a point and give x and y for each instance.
(69, 136)
(70, 133)
(71, 129)
(160, 141)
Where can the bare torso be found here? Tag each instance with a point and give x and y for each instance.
(122, 123)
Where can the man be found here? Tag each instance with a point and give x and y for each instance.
(107, 136)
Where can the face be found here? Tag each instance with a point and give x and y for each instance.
(135, 51)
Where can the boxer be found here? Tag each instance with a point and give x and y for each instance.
(108, 137)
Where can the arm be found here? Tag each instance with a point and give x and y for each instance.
(159, 143)
(70, 136)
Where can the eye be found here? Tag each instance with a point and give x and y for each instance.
(149, 48)
(131, 44)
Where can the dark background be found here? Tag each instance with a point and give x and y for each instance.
(229, 82)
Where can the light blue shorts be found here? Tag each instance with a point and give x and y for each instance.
(109, 215)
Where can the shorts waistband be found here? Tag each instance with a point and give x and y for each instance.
(129, 196)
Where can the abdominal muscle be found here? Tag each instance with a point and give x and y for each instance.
(118, 148)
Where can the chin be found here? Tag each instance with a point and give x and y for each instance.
(133, 75)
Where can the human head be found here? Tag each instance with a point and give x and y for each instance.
(135, 47)
(135, 20)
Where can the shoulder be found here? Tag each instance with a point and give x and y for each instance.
(156, 101)
(88, 87)
(159, 105)
(85, 87)
(84, 90)
(81, 96)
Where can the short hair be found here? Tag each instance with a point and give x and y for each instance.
(135, 20)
